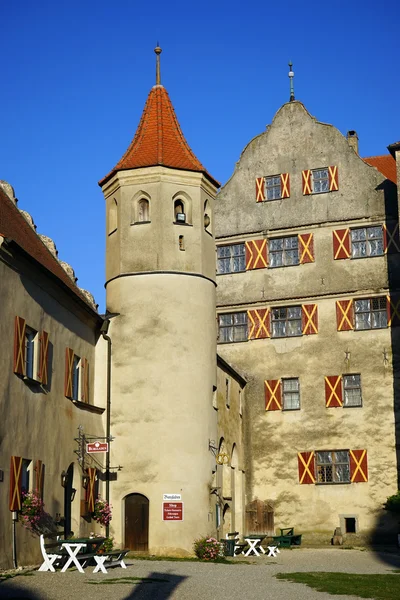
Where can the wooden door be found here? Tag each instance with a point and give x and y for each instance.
(259, 518)
(137, 522)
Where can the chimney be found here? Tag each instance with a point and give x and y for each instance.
(352, 138)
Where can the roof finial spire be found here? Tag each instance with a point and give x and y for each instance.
(158, 51)
(291, 75)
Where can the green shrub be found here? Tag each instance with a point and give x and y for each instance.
(392, 504)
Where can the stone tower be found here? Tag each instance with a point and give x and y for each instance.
(160, 280)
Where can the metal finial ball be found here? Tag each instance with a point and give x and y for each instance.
(157, 50)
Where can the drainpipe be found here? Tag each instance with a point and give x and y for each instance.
(14, 539)
(103, 330)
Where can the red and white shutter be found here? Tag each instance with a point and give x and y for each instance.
(306, 180)
(260, 189)
(391, 242)
(285, 185)
(256, 254)
(69, 367)
(306, 464)
(19, 345)
(344, 315)
(259, 323)
(306, 248)
(39, 478)
(393, 310)
(358, 466)
(333, 391)
(309, 319)
(43, 357)
(85, 380)
(333, 179)
(341, 244)
(273, 394)
(15, 483)
(91, 489)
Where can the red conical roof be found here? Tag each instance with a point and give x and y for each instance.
(159, 140)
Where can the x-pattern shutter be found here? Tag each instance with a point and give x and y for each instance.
(309, 319)
(259, 325)
(393, 310)
(15, 483)
(341, 244)
(69, 367)
(19, 346)
(306, 248)
(91, 487)
(306, 465)
(391, 242)
(333, 391)
(306, 179)
(44, 355)
(285, 185)
(256, 254)
(85, 380)
(344, 315)
(39, 479)
(333, 179)
(358, 466)
(273, 394)
(260, 189)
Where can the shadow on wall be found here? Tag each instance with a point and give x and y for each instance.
(384, 539)
(156, 586)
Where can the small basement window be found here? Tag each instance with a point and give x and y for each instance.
(350, 524)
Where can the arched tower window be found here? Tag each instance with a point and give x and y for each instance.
(179, 211)
(112, 217)
(143, 211)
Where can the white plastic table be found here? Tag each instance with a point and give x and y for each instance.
(73, 549)
(252, 542)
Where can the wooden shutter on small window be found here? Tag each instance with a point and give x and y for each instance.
(259, 323)
(39, 478)
(333, 391)
(273, 394)
(358, 466)
(43, 357)
(341, 244)
(15, 483)
(256, 254)
(344, 315)
(333, 179)
(85, 380)
(309, 319)
(69, 367)
(306, 465)
(393, 310)
(260, 189)
(19, 345)
(91, 488)
(285, 185)
(391, 242)
(306, 178)
(306, 248)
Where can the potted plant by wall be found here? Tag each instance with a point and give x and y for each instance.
(32, 511)
(102, 512)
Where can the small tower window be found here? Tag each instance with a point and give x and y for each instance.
(112, 217)
(179, 212)
(207, 216)
(181, 242)
(143, 211)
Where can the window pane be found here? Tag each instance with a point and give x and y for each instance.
(225, 319)
(362, 305)
(294, 312)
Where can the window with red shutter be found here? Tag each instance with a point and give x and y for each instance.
(39, 478)
(306, 465)
(19, 346)
(43, 357)
(341, 244)
(358, 466)
(391, 242)
(85, 380)
(273, 394)
(256, 254)
(333, 391)
(15, 483)
(309, 319)
(306, 248)
(259, 323)
(344, 315)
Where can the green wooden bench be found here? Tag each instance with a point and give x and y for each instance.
(287, 538)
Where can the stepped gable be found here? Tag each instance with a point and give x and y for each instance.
(159, 140)
(386, 164)
(14, 225)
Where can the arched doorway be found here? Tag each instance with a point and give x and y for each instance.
(137, 522)
(68, 500)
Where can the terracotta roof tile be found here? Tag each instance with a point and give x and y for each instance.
(13, 225)
(386, 164)
(159, 140)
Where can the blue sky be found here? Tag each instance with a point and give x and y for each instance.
(76, 75)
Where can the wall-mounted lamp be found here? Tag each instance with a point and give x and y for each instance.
(85, 481)
(207, 220)
(64, 478)
(73, 492)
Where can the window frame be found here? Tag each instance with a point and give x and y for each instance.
(76, 376)
(286, 320)
(232, 257)
(319, 180)
(31, 354)
(351, 387)
(290, 392)
(239, 326)
(366, 241)
(284, 252)
(382, 310)
(275, 186)
(333, 463)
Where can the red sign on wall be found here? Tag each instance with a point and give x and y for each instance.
(96, 447)
(172, 511)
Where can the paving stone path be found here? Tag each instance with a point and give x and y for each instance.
(172, 580)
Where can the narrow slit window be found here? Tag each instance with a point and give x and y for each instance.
(143, 211)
